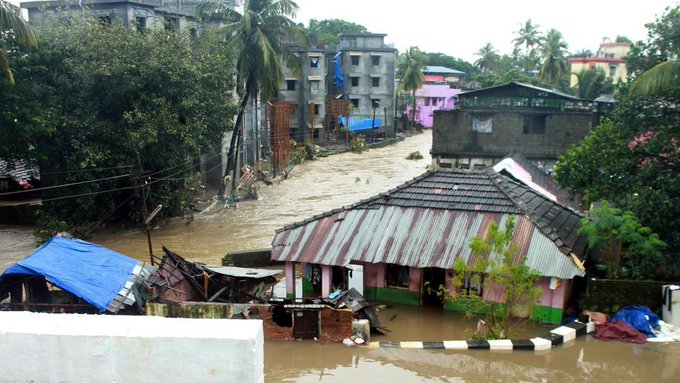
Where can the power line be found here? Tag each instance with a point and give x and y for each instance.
(65, 185)
(88, 170)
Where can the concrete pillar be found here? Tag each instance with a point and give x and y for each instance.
(290, 280)
(326, 275)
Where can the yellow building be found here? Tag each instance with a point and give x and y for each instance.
(610, 58)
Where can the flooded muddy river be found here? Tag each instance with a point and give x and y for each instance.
(318, 186)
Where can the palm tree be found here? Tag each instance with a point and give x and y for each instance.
(12, 24)
(488, 56)
(554, 55)
(410, 73)
(528, 35)
(662, 78)
(259, 35)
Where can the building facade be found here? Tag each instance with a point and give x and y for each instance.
(610, 58)
(491, 123)
(367, 66)
(178, 15)
(436, 93)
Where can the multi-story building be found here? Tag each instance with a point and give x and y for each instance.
(491, 123)
(308, 92)
(436, 93)
(141, 14)
(367, 66)
(611, 58)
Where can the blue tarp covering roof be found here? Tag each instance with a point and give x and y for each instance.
(88, 271)
(360, 123)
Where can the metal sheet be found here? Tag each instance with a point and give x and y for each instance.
(243, 272)
(412, 237)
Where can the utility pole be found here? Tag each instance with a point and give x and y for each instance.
(145, 211)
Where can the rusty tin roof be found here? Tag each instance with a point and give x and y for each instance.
(429, 222)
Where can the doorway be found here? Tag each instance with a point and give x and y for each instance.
(305, 324)
(433, 277)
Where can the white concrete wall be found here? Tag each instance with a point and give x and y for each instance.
(106, 348)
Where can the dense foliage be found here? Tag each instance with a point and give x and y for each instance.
(493, 269)
(327, 31)
(100, 96)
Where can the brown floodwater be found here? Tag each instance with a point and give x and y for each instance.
(328, 183)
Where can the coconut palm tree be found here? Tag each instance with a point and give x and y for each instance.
(488, 56)
(12, 24)
(662, 78)
(554, 56)
(529, 36)
(410, 73)
(259, 32)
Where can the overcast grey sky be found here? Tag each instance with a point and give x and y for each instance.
(461, 28)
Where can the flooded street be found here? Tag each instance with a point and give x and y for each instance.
(328, 183)
(312, 188)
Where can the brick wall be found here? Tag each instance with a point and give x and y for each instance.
(608, 295)
(453, 135)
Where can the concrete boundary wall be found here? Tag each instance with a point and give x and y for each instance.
(563, 334)
(106, 348)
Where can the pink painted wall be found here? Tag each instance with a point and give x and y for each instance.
(424, 113)
(290, 278)
(380, 275)
(495, 294)
(326, 279)
(415, 277)
(553, 298)
(370, 272)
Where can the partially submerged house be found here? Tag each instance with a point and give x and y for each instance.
(397, 241)
(70, 275)
(539, 123)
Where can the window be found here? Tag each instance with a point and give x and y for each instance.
(105, 20)
(482, 123)
(427, 101)
(396, 276)
(290, 84)
(355, 103)
(534, 124)
(355, 81)
(316, 109)
(474, 284)
(375, 81)
(171, 24)
(375, 60)
(140, 24)
(355, 60)
(314, 85)
(314, 62)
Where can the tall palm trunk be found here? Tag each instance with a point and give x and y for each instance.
(413, 112)
(232, 156)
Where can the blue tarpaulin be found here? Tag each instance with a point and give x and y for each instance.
(86, 270)
(360, 123)
(339, 77)
(639, 318)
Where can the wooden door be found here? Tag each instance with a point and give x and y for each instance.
(306, 324)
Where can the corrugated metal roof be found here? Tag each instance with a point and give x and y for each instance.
(429, 222)
(243, 272)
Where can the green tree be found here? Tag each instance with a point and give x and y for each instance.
(488, 56)
(654, 62)
(260, 36)
(583, 53)
(492, 268)
(590, 84)
(327, 31)
(410, 67)
(96, 96)
(554, 67)
(624, 241)
(530, 36)
(13, 27)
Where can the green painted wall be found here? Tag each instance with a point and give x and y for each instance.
(399, 296)
(541, 313)
(547, 314)
(307, 288)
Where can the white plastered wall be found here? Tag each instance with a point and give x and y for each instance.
(107, 348)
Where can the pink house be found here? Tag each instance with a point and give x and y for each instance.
(435, 94)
